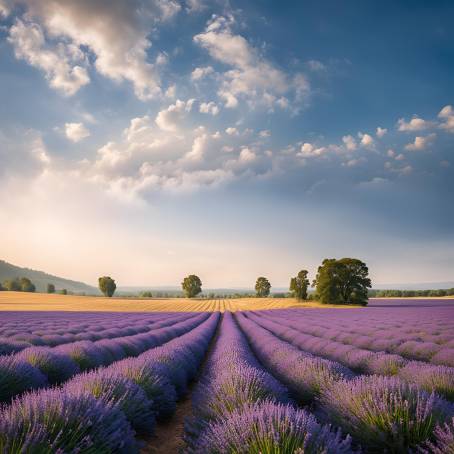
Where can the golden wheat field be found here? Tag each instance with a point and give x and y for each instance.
(19, 301)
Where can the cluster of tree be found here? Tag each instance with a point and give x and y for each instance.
(107, 286)
(146, 294)
(23, 284)
(343, 281)
(410, 293)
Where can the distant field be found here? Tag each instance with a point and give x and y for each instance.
(18, 301)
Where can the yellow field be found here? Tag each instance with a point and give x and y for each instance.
(18, 301)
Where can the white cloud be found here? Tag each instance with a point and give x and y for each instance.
(415, 124)
(251, 76)
(381, 132)
(247, 155)
(209, 108)
(63, 64)
(366, 140)
(116, 34)
(201, 72)
(420, 143)
(350, 143)
(76, 131)
(265, 133)
(447, 114)
(309, 150)
(231, 131)
(170, 118)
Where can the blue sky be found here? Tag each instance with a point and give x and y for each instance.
(149, 139)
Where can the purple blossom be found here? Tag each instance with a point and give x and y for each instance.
(17, 376)
(53, 421)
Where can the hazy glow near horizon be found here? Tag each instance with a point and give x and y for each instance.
(151, 139)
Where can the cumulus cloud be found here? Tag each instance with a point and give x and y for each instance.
(420, 143)
(209, 108)
(380, 132)
(76, 131)
(201, 72)
(366, 140)
(170, 118)
(309, 150)
(350, 143)
(447, 115)
(116, 34)
(415, 124)
(251, 76)
(231, 131)
(62, 64)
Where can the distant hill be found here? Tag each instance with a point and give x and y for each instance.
(41, 279)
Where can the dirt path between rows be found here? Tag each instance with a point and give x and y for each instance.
(168, 436)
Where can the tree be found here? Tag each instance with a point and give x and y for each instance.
(299, 285)
(13, 285)
(192, 285)
(27, 285)
(343, 281)
(262, 287)
(107, 286)
(146, 294)
(63, 291)
(50, 288)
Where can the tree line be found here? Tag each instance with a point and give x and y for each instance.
(24, 284)
(410, 293)
(343, 281)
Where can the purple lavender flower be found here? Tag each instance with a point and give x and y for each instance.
(269, 428)
(17, 376)
(53, 421)
(57, 367)
(384, 413)
(115, 389)
(444, 440)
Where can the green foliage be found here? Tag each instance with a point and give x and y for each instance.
(299, 285)
(343, 281)
(192, 285)
(410, 293)
(107, 286)
(12, 285)
(146, 294)
(19, 285)
(262, 287)
(27, 285)
(50, 288)
(63, 291)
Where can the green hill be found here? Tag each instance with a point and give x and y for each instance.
(41, 279)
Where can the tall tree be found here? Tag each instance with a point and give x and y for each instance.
(13, 285)
(192, 285)
(50, 288)
(299, 285)
(26, 285)
(343, 281)
(262, 287)
(107, 286)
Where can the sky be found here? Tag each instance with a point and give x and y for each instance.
(151, 139)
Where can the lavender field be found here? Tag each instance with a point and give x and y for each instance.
(372, 380)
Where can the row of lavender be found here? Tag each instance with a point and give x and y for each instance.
(39, 367)
(102, 410)
(71, 328)
(427, 376)
(382, 414)
(239, 407)
(424, 334)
